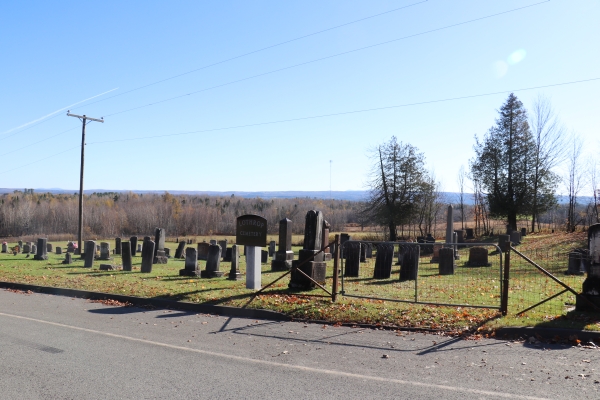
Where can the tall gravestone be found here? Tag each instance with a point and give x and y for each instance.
(409, 268)
(223, 244)
(383, 261)
(126, 256)
(191, 263)
(90, 252)
(449, 226)
(104, 251)
(203, 251)
(325, 241)
(344, 237)
(41, 249)
(147, 256)
(591, 284)
(234, 272)
(352, 264)
(134, 242)
(316, 268)
(213, 263)
(180, 249)
(159, 246)
(285, 255)
(117, 245)
(272, 248)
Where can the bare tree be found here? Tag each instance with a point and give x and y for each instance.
(573, 180)
(593, 174)
(549, 150)
(460, 179)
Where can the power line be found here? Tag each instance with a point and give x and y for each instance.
(355, 111)
(260, 50)
(317, 116)
(39, 141)
(325, 58)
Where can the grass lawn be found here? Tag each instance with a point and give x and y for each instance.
(469, 285)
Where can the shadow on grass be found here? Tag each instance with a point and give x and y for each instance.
(572, 320)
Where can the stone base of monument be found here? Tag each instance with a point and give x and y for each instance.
(189, 272)
(315, 269)
(160, 258)
(211, 274)
(41, 258)
(235, 276)
(108, 267)
(282, 261)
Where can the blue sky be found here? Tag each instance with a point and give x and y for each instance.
(56, 54)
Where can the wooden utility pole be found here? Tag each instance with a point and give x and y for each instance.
(84, 120)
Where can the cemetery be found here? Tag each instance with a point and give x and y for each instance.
(446, 283)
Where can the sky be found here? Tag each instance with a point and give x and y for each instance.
(263, 95)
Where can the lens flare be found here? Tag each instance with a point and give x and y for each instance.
(516, 57)
(500, 68)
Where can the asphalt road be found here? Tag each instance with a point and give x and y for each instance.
(54, 347)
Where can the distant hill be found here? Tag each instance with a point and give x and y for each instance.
(351, 195)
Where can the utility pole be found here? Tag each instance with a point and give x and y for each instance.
(84, 120)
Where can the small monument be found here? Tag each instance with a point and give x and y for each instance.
(160, 257)
(285, 255)
(117, 245)
(68, 258)
(58, 250)
(126, 256)
(409, 268)
(447, 265)
(212, 263)
(104, 251)
(469, 232)
(264, 256)
(383, 260)
(203, 251)
(234, 272)
(272, 248)
(49, 247)
(147, 256)
(191, 263)
(41, 249)
(478, 257)
(325, 241)
(90, 252)
(515, 237)
(223, 244)
(316, 267)
(352, 264)
(134, 245)
(180, 249)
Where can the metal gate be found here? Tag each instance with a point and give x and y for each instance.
(446, 274)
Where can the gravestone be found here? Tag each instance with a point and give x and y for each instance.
(70, 247)
(272, 248)
(147, 256)
(26, 248)
(325, 241)
(20, 242)
(58, 250)
(203, 251)
(447, 264)
(515, 237)
(409, 268)
(98, 248)
(227, 256)
(126, 256)
(576, 265)
(460, 236)
(134, 245)
(523, 232)
(478, 257)
(264, 256)
(316, 268)
(234, 272)
(104, 251)
(168, 252)
(223, 244)
(383, 260)
(49, 247)
(344, 237)
(180, 249)
(108, 267)
(455, 239)
(139, 248)
(502, 241)
(509, 229)
(284, 255)
(363, 252)
(117, 245)
(160, 257)
(369, 247)
(41, 252)
(449, 226)
(591, 284)
(33, 249)
(469, 232)
(191, 262)
(4, 247)
(213, 262)
(213, 242)
(352, 264)
(68, 258)
(90, 252)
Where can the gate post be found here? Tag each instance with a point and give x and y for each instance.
(336, 272)
(504, 241)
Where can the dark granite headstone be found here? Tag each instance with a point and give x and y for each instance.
(68, 258)
(469, 232)
(363, 252)
(577, 261)
(447, 263)
(104, 251)
(227, 256)
(409, 268)
(213, 262)
(41, 252)
(264, 256)
(344, 237)
(352, 263)
(117, 245)
(316, 269)
(90, 252)
(180, 249)
(369, 250)
(49, 247)
(108, 267)
(160, 257)
(33, 249)
(147, 256)
(191, 262)
(284, 255)
(203, 249)
(4, 247)
(58, 250)
(515, 237)
(134, 244)
(70, 247)
(523, 232)
(126, 256)
(234, 272)
(272, 248)
(325, 241)
(26, 248)
(478, 257)
(383, 261)
(223, 244)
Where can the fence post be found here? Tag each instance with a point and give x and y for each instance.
(336, 272)
(504, 241)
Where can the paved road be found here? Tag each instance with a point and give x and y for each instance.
(54, 347)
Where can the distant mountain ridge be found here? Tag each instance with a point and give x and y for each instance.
(350, 195)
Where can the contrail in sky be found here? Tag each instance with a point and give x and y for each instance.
(55, 112)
